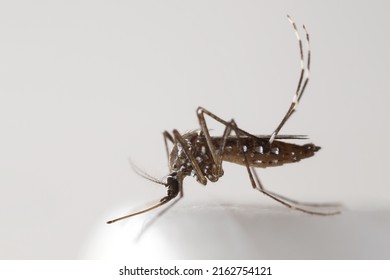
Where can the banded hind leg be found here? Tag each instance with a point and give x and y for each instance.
(302, 82)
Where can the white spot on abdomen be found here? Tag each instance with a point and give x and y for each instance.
(275, 151)
(259, 149)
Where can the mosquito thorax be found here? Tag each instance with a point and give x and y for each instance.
(178, 160)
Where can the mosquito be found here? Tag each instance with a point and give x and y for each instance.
(200, 155)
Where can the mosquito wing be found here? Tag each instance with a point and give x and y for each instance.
(286, 136)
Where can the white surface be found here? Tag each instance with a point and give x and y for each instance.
(86, 84)
(244, 232)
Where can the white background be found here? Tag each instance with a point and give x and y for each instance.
(84, 85)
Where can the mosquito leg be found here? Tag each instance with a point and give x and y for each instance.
(296, 207)
(309, 204)
(178, 138)
(229, 127)
(293, 204)
(301, 86)
(203, 126)
(168, 136)
(202, 111)
(217, 156)
(226, 133)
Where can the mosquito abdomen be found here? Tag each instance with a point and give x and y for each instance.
(260, 153)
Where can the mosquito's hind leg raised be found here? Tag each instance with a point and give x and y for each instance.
(302, 82)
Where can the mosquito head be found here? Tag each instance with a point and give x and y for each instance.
(173, 182)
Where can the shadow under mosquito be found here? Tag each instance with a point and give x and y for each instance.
(232, 209)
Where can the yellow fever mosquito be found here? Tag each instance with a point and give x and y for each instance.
(198, 154)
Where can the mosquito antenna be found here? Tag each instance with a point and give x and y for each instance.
(143, 174)
(162, 202)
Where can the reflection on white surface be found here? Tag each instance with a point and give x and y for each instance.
(245, 232)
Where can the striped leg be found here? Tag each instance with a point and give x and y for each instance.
(303, 79)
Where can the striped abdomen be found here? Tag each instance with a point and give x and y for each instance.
(260, 154)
